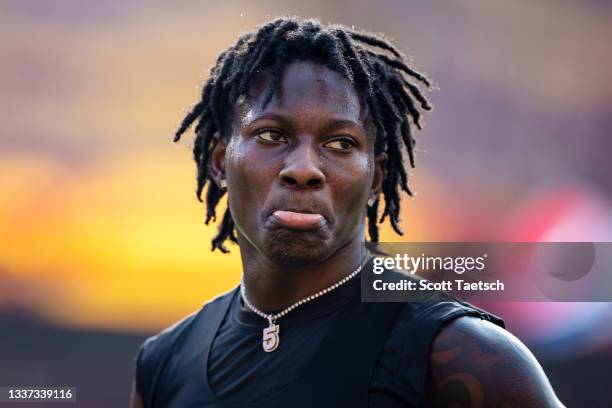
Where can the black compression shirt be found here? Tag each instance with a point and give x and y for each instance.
(239, 365)
(200, 363)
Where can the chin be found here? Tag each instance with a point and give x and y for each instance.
(295, 248)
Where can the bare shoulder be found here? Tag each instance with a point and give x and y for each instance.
(475, 363)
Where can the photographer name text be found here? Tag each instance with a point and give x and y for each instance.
(446, 285)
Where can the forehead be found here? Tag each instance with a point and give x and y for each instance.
(311, 91)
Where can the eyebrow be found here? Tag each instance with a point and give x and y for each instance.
(331, 125)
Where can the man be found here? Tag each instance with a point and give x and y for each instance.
(304, 127)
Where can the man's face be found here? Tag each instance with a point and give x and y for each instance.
(300, 171)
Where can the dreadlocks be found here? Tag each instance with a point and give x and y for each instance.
(389, 85)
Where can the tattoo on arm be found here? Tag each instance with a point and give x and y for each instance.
(477, 364)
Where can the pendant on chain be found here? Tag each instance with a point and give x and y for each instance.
(271, 337)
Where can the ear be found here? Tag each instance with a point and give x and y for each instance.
(216, 169)
(379, 174)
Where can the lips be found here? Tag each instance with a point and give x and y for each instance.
(298, 219)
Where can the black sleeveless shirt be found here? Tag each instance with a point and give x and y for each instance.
(334, 351)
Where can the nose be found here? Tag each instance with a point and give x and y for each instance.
(302, 168)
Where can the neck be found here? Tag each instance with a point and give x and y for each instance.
(271, 287)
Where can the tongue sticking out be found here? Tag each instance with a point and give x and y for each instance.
(297, 220)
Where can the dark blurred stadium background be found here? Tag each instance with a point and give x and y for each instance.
(101, 239)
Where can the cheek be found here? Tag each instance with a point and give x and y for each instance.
(235, 172)
(248, 177)
(352, 186)
(247, 162)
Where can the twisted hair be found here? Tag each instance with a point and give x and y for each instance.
(390, 87)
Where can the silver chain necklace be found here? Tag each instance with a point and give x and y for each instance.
(271, 334)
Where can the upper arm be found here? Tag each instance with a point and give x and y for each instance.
(141, 371)
(475, 363)
(135, 400)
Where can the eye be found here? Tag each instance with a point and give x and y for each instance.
(341, 144)
(271, 136)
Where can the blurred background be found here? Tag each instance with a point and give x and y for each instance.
(102, 242)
